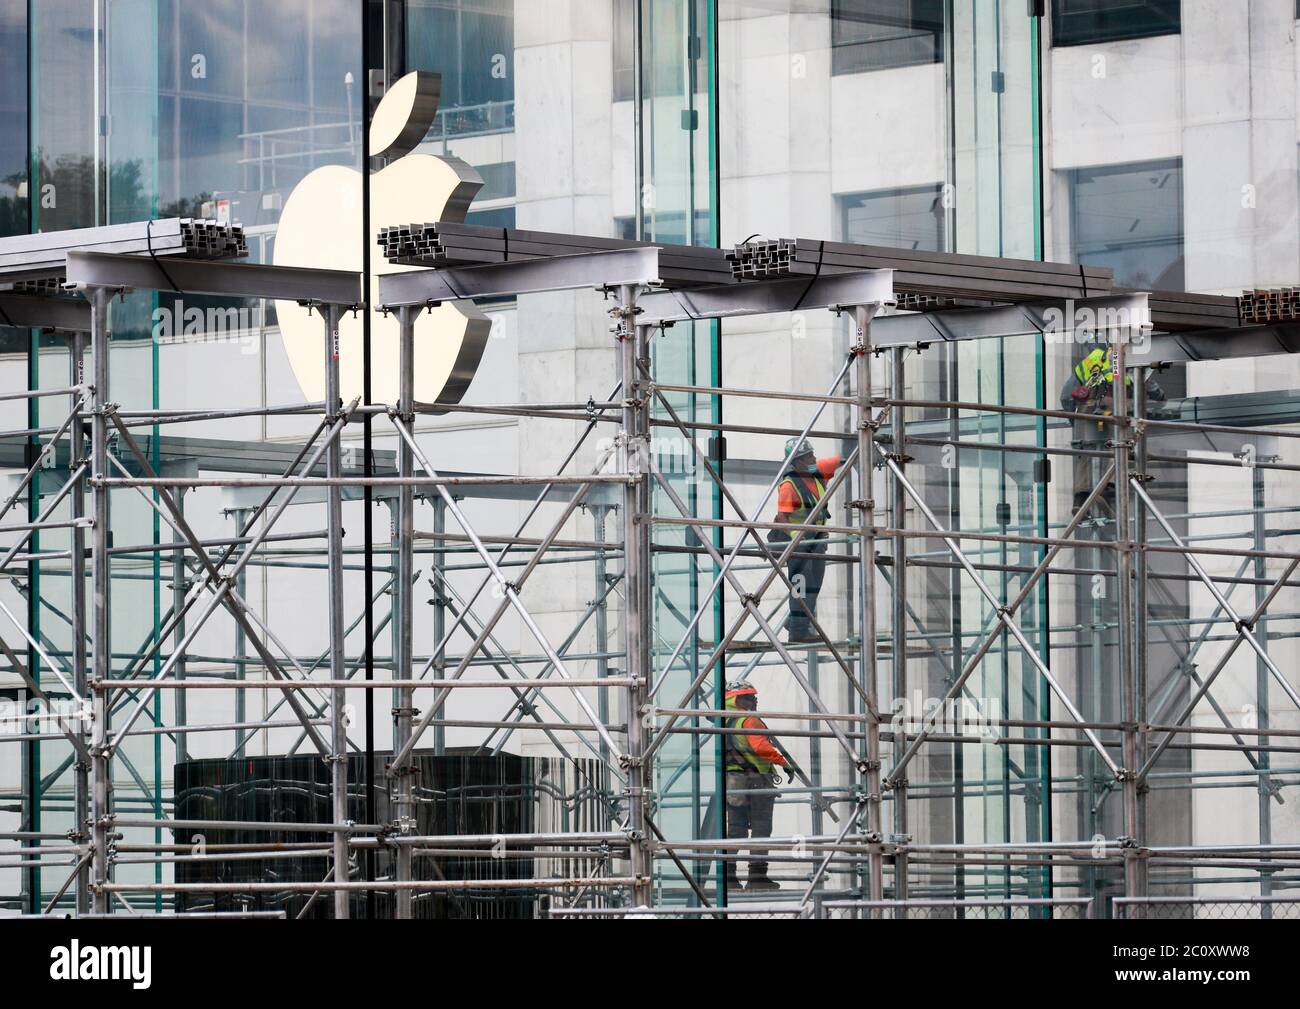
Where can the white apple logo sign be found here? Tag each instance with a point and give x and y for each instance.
(320, 227)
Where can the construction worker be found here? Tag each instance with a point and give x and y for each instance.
(1090, 391)
(799, 492)
(752, 778)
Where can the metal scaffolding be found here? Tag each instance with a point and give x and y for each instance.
(882, 803)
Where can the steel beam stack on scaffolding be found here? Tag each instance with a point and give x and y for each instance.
(862, 859)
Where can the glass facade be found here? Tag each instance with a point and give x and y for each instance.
(1157, 138)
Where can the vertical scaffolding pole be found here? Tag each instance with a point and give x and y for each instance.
(638, 620)
(338, 671)
(403, 590)
(439, 608)
(101, 655)
(1122, 442)
(241, 640)
(1264, 797)
(180, 588)
(599, 515)
(898, 618)
(862, 315)
(1140, 595)
(76, 450)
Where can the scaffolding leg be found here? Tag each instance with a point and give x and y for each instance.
(101, 654)
(862, 315)
(81, 770)
(638, 620)
(1123, 441)
(898, 618)
(403, 590)
(338, 672)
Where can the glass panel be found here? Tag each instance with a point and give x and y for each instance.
(1171, 159)
(893, 124)
(905, 218)
(13, 118)
(877, 34)
(1083, 22)
(1130, 218)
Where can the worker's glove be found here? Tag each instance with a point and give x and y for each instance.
(1080, 393)
(789, 775)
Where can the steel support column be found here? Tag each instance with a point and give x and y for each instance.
(638, 620)
(898, 616)
(81, 770)
(1122, 443)
(338, 671)
(101, 655)
(403, 590)
(862, 316)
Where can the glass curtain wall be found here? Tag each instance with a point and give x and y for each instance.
(1170, 149)
(911, 125)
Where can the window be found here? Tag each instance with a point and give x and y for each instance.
(1081, 22)
(875, 34)
(471, 43)
(668, 226)
(1130, 218)
(898, 218)
(13, 117)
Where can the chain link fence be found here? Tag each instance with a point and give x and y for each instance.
(1027, 908)
(1218, 908)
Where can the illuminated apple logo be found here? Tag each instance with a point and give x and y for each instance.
(321, 228)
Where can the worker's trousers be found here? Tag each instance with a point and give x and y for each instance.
(806, 577)
(1088, 471)
(750, 802)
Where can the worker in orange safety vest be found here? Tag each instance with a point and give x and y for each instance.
(752, 760)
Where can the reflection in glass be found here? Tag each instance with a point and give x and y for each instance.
(900, 218)
(13, 117)
(1130, 217)
(875, 34)
(1081, 22)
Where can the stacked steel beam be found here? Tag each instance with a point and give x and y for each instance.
(761, 259)
(942, 274)
(445, 244)
(1262, 307)
(42, 257)
(1179, 312)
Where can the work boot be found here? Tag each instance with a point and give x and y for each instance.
(801, 636)
(758, 882)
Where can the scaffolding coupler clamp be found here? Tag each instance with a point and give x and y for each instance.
(622, 327)
(866, 766)
(862, 504)
(593, 414)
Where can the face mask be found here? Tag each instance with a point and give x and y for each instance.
(806, 464)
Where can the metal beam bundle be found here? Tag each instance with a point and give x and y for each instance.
(42, 256)
(1261, 307)
(1180, 311)
(447, 244)
(946, 274)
